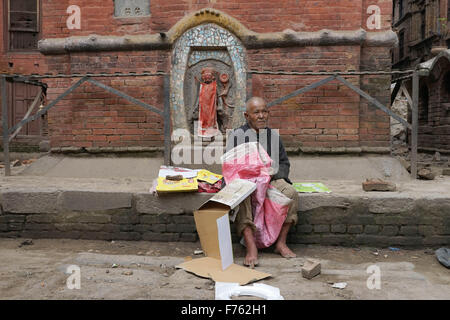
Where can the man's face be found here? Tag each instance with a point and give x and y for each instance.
(257, 115)
(207, 76)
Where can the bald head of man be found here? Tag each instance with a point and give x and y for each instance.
(257, 113)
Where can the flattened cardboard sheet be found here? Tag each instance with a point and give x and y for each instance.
(212, 268)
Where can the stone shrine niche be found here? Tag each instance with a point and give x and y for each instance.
(220, 62)
(211, 49)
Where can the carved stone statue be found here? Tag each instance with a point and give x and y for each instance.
(211, 106)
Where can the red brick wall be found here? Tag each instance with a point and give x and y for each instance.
(435, 133)
(24, 62)
(330, 116)
(18, 62)
(257, 15)
(325, 117)
(93, 117)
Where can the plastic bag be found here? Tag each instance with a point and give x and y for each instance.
(250, 161)
(246, 161)
(269, 224)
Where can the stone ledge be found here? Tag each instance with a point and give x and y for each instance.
(93, 201)
(329, 219)
(169, 204)
(29, 202)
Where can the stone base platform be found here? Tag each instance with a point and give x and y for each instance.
(418, 214)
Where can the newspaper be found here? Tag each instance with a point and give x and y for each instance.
(165, 171)
(234, 193)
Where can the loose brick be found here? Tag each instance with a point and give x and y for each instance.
(310, 269)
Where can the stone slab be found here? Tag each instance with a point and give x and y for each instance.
(29, 202)
(180, 203)
(93, 201)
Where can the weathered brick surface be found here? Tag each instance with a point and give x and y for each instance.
(338, 228)
(371, 229)
(434, 122)
(355, 229)
(321, 228)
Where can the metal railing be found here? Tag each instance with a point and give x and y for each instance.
(339, 76)
(402, 75)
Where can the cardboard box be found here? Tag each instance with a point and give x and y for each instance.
(213, 227)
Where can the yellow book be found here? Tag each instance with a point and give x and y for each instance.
(185, 185)
(207, 176)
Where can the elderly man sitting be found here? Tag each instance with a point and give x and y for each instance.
(257, 116)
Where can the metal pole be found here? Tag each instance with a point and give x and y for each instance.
(415, 124)
(249, 86)
(167, 121)
(5, 127)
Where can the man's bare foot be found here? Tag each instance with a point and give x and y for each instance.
(284, 251)
(251, 259)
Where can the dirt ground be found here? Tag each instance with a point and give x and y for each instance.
(146, 270)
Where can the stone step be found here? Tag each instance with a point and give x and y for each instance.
(370, 219)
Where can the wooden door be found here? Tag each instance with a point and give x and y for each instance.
(20, 99)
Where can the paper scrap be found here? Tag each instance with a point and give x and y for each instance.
(309, 187)
(165, 171)
(208, 176)
(225, 290)
(340, 285)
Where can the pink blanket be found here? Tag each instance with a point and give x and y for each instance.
(251, 162)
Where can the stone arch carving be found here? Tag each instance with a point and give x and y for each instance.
(209, 15)
(202, 43)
